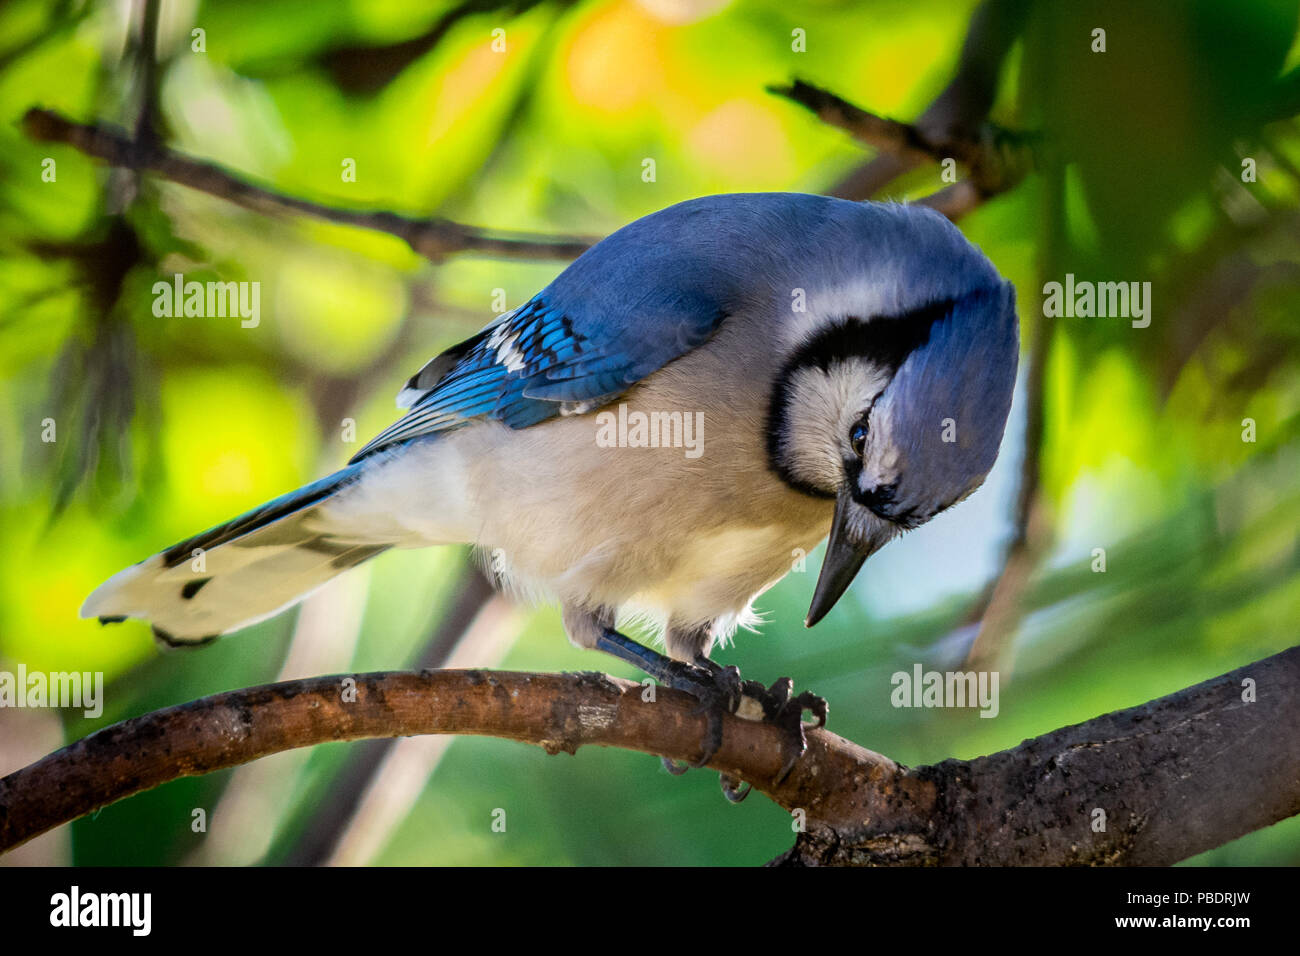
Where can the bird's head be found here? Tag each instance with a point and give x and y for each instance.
(897, 417)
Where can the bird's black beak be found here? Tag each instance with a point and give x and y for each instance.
(844, 558)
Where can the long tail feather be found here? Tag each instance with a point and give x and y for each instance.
(239, 572)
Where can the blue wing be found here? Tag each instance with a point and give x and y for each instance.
(645, 295)
(534, 364)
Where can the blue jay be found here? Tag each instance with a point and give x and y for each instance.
(849, 368)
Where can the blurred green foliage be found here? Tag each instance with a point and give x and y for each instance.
(166, 426)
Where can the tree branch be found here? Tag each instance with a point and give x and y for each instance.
(995, 159)
(878, 132)
(835, 781)
(432, 238)
(954, 125)
(1167, 780)
(1174, 777)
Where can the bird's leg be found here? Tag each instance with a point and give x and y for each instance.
(776, 704)
(716, 688)
(721, 690)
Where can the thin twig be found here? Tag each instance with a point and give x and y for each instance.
(959, 112)
(867, 128)
(995, 160)
(432, 238)
(148, 75)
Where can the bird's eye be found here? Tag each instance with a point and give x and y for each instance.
(858, 438)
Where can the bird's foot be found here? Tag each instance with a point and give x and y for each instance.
(721, 690)
(779, 705)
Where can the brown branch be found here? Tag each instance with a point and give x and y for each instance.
(1147, 786)
(1174, 777)
(995, 160)
(954, 201)
(879, 132)
(149, 75)
(432, 238)
(954, 125)
(558, 712)
(963, 106)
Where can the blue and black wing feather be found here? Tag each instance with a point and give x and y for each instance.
(536, 363)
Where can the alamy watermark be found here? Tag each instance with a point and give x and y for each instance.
(130, 910)
(922, 688)
(1102, 300)
(214, 300)
(638, 429)
(84, 689)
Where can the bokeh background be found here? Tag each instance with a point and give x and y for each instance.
(1123, 439)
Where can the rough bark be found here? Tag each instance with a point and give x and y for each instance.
(1174, 777)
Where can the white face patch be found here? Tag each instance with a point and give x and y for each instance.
(820, 410)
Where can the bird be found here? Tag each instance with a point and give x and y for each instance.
(841, 370)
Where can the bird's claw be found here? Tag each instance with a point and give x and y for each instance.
(785, 709)
(732, 788)
(718, 689)
(721, 690)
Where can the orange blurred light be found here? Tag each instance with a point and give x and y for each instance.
(616, 59)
